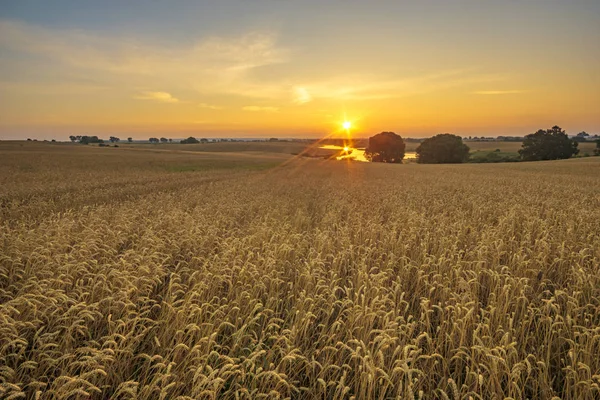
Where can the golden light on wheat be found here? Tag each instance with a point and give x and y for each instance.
(123, 279)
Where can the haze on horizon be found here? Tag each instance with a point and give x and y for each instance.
(297, 68)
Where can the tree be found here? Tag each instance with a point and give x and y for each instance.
(170, 140)
(189, 140)
(153, 140)
(90, 139)
(164, 140)
(203, 140)
(549, 144)
(130, 139)
(385, 147)
(114, 139)
(442, 149)
(581, 136)
(73, 138)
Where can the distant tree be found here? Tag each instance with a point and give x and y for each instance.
(29, 139)
(385, 147)
(443, 149)
(90, 139)
(164, 140)
(53, 140)
(130, 139)
(73, 138)
(203, 140)
(581, 136)
(549, 144)
(114, 139)
(170, 140)
(273, 139)
(190, 140)
(153, 140)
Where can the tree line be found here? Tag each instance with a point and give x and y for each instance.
(548, 144)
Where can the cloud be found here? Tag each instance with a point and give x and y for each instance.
(162, 97)
(375, 87)
(257, 108)
(209, 64)
(233, 65)
(492, 92)
(301, 95)
(209, 106)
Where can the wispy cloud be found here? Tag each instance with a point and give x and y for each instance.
(210, 65)
(209, 106)
(374, 87)
(492, 92)
(258, 108)
(162, 97)
(301, 95)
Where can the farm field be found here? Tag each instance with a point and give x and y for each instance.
(298, 147)
(165, 272)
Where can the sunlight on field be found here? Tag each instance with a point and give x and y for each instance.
(121, 277)
(351, 153)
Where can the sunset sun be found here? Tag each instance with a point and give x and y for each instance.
(347, 125)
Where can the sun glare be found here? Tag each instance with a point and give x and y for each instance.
(347, 125)
(346, 149)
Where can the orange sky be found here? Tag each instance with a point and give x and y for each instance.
(254, 69)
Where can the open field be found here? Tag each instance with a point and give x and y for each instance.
(510, 148)
(166, 273)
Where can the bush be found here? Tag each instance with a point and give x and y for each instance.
(190, 140)
(443, 149)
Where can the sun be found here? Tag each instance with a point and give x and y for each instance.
(347, 125)
(346, 149)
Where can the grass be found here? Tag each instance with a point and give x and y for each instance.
(493, 156)
(120, 278)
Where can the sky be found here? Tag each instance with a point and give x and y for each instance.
(297, 68)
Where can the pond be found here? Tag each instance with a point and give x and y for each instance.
(354, 154)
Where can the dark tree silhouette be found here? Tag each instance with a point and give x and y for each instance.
(581, 136)
(442, 149)
(90, 139)
(164, 140)
(130, 139)
(73, 138)
(190, 140)
(385, 147)
(153, 140)
(114, 139)
(549, 144)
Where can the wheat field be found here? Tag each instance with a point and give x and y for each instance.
(132, 274)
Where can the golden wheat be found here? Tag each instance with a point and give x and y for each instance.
(121, 279)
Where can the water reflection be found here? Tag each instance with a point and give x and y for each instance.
(354, 154)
